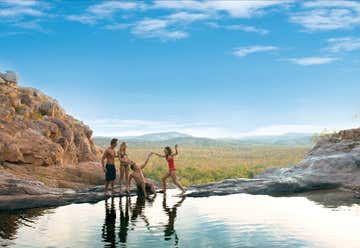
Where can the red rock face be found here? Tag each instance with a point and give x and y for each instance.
(35, 130)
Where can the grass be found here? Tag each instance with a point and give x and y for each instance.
(203, 165)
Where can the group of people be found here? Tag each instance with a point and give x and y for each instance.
(144, 186)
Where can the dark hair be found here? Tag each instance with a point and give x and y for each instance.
(132, 165)
(168, 151)
(113, 141)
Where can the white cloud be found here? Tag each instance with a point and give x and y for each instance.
(23, 14)
(328, 15)
(117, 26)
(84, 19)
(108, 8)
(20, 2)
(170, 27)
(157, 28)
(21, 8)
(173, 25)
(12, 12)
(105, 10)
(306, 61)
(187, 17)
(234, 8)
(239, 27)
(244, 51)
(343, 44)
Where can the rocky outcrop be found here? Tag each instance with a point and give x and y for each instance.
(34, 129)
(333, 163)
(22, 193)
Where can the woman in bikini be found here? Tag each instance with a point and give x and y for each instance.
(169, 156)
(124, 163)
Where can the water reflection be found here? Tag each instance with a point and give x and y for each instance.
(108, 229)
(171, 213)
(138, 211)
(10, 222)
(133, 216)
(124, 219)
(170, 221)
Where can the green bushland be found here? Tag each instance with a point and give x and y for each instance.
(202, 165)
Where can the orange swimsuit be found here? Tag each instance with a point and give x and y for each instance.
(171, 164)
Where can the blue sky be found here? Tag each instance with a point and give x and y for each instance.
(207, 68)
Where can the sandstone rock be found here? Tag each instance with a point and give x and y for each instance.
(38, 150)
(351, 134)
(26, 99)
(7, 114)
(35, 132)
(45, 135)
(48, 108)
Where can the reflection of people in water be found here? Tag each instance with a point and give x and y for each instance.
(138, 210)
(108, 230)
(171, 213)
(124, 220)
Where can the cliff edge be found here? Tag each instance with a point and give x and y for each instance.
(40, 144)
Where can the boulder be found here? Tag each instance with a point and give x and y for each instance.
(26, 99)
(37, 149)
(10, 77)
(48, 108)
(9, 151)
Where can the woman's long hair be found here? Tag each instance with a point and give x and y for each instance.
(122, 149)
(168, 151)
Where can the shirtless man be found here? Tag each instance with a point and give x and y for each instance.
(144, 187)
(109, 169)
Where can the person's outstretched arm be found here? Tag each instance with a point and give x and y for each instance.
(146, 161)
(159, 155)
(176, 151)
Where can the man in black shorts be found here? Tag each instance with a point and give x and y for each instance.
(109, 168)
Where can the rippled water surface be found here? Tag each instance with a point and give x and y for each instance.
(222, 221)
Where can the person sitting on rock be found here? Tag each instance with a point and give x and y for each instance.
(109, 169)
(144, 186)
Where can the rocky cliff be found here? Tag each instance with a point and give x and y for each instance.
(34, 129)
(39, 141)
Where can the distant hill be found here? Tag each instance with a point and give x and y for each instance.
(172, 138)
(158, 136)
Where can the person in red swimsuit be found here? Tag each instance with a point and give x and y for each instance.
(169, 156)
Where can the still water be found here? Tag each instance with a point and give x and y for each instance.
(221, 221)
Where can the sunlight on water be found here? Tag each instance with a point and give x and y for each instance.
(223, 221)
